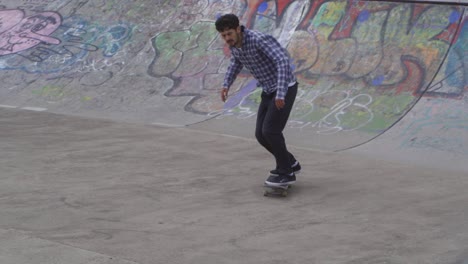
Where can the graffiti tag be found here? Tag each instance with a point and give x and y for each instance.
(18, 33)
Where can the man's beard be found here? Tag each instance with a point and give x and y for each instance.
(232, 43)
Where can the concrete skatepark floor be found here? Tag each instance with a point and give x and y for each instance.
(80, 190)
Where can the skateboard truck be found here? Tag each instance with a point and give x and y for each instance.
(273, 190)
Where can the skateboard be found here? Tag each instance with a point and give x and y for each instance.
(281, 190)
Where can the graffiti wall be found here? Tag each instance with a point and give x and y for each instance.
(362, 66)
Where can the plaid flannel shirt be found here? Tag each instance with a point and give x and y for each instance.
(266, 60)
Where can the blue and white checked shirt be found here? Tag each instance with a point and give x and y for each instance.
(266, 60)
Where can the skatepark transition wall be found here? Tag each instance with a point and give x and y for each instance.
(384, 78)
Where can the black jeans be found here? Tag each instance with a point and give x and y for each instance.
(271, 122)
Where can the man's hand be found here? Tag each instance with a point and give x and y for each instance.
(279, 103)
(224, 94)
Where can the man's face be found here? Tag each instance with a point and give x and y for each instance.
(232, 36)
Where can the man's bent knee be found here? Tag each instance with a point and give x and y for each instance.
(271, 135)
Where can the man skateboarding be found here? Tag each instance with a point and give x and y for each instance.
(269, 64)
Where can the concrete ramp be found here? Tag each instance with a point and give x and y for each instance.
(381, 78)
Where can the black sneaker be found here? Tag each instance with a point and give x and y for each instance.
(296, 167)
(281, 179)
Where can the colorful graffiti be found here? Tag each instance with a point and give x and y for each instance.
(362, 65)
(20, 33)
(452, 80)
(48, 44)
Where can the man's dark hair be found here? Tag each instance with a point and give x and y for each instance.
(226, 22)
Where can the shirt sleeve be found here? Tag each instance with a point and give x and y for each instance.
(269, 46)
(233, 70)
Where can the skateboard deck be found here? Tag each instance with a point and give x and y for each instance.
(281, 190)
